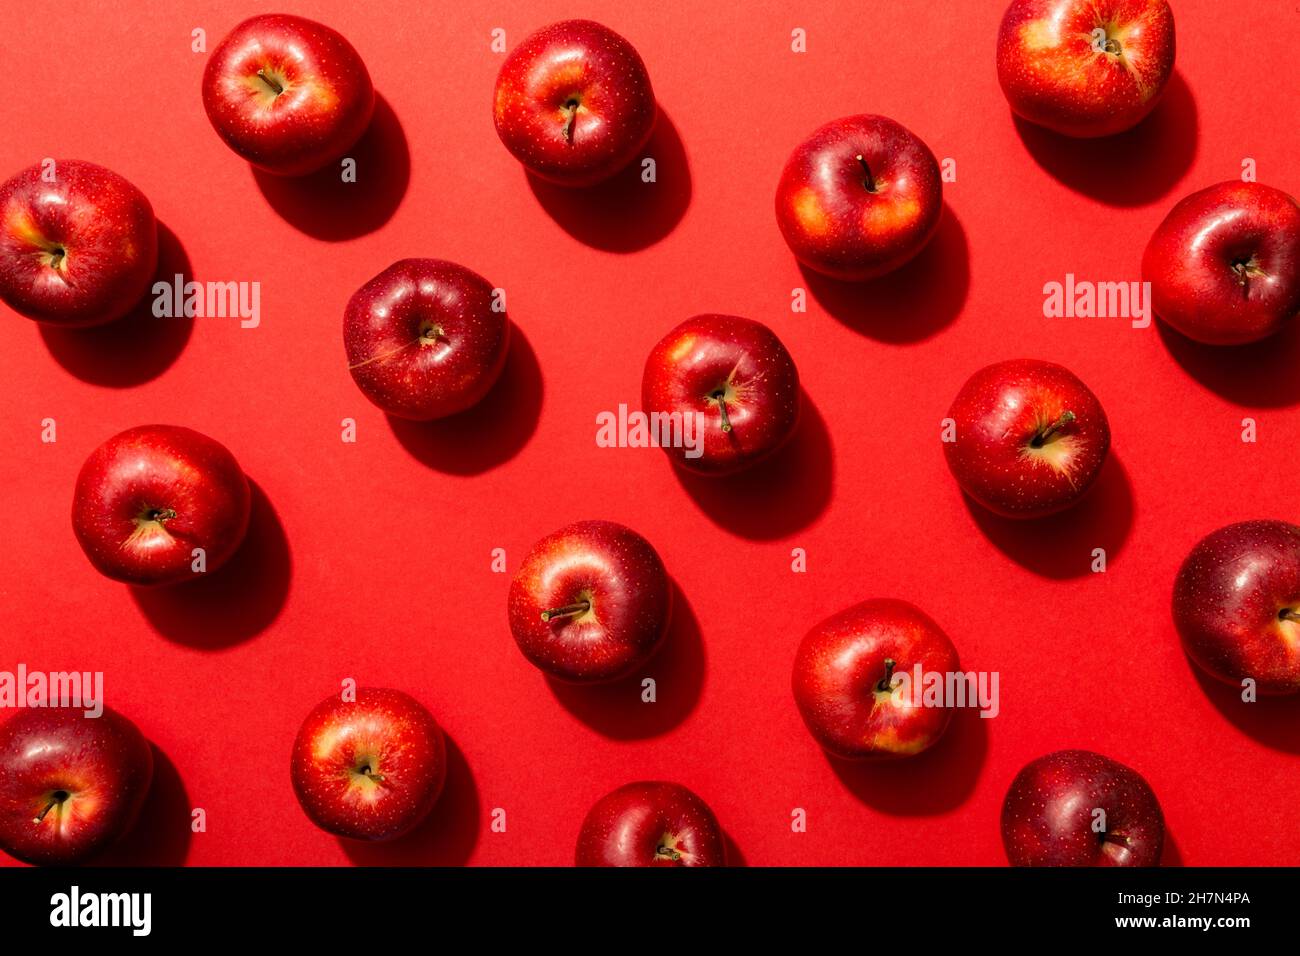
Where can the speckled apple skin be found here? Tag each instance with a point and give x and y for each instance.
(393, 734)
(619, 573)
(159, 467)
(839, 665)
(1047, 817)
(1052, 76)
(651, 823)
(102, 763)
(577, 60)
(324, 109)
(421, 379)
(103, 224)
(997, 414)
(711, 352)
(1190, 263)
(833, 223)
(1228, 599)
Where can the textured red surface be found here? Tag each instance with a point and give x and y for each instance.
(373, 560)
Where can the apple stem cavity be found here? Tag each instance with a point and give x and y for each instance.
(1045, 435)
(887, 680)
(1289, 614)
(275, 87)
(159, 514)
(870, 183)
(569, 610)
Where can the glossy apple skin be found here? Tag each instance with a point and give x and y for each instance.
(582, 62)
(619, 574)
(422, 338)
(79, 251)
(746, 362)
(102, 765)
(1047, 817)
(839, 668)
(839, 223)
(1224, 265)
(1052, 75)
(370, 769)
(324, 106)
(1237, 605)
(150, 495)
(1002, 414)
(651, 823)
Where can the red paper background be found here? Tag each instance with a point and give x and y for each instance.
(372, 560)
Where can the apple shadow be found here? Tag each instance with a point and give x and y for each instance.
(932, 782)
(446, 837)
(1060, 546)
(137, 347)
(161, 837)
(490, 433)
(616, 709)
(233, 603)
(778, 496)
(1259, 374)
(624, 214)
(910, 304)
(1131, 168)
(325, 207)
(735, 856)
(1170, 854)
(1272, 721)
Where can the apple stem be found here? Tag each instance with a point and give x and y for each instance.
(54, 802)
(571, 114)
(1289, 614)
(720, 397)
(581, 607)
(668, 852)
(161, 514)
(1041, 438)
(890, 664)
(276, 88)
(871, 180)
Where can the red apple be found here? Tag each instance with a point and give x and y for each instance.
(1085, 68)
(287, 94)
(733, 376)
(651, 824)
(1078, 808)
(859, 197)
(80, 250)
(573, 103)
(70, 785)
(369, 769)
(591, 602)
(1237, 605)
(151, 495)
(1030, 438)
(847, 681)
(424, 340)
(1224, 266)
